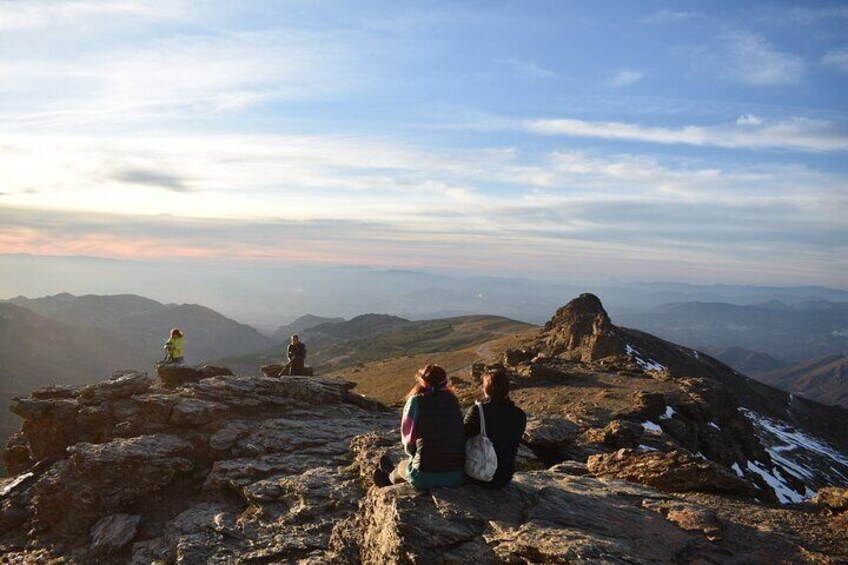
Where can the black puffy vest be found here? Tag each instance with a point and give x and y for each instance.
(440, 446)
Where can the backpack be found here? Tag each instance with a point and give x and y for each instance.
(481, 461)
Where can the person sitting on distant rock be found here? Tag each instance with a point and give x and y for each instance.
(505, 423)
(296, 354)
(174, 347)
(431, 434)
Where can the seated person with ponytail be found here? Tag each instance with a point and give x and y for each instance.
(432, 436)
(505, 423)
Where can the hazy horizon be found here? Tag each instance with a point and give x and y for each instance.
(267, 295)
(637, 141)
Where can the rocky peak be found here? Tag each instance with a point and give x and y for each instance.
(582, 329)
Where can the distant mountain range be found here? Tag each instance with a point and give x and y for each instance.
(824, 379)
(274, 293)
(790, 333)
(305, 322)
(744, 360)
(142, 325)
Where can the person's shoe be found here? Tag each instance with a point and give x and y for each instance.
(386, 464)
(381, 478)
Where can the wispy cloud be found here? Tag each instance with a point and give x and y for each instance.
(201, 74)
(811, 16)
(749, 132)
(670, 16)
(33, 14)
(625, 77)
(748, 58)
(150, 177)
(527, 68)
(837, 59)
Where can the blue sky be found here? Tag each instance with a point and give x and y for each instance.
(698, 141)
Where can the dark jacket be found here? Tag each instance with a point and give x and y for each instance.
(298, 351)
(439, 445)
(505, 423)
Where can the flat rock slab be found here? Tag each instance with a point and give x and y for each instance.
(542, 517)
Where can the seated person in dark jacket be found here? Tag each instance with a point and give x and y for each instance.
(296, 354)
(505, 423)
(431, 433)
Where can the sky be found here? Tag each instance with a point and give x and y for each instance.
(689, 141)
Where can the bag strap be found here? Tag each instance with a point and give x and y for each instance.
(482, 419)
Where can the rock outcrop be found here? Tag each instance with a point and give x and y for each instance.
(675, 471)
(581, 329)
(629, 389)
(549, 516)
(218, 469)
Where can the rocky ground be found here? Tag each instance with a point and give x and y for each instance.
(201, 466)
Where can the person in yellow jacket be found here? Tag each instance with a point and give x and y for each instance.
(174, 347)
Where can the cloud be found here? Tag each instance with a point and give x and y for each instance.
(811, 16)
(396, 205)
(800, 134)
(748, 58)
(35, 14)
(748, 120)
(527, 68)
(670, 16)
(625, 77)
(150, 177)
(837, 59)
(176, 76)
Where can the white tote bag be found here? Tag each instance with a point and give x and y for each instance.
(481, 461)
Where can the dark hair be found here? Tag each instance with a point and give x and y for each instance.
(496, 385)
(429, 378)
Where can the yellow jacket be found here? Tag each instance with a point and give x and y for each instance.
(175, 346)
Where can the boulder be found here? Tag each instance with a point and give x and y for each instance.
(616, 435)
(518, 356)
(195, 412)
(171, 375)
(16, 456)
(56, 391)
(690, 517)
(835, 498)
(101, 479)
(674, 471)
(227, 436)
(550, 432)
(123, 384)
(113, 532)
(49, 425)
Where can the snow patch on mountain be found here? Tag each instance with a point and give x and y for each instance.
(795, 454)
(651, 427)
(643, 360)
